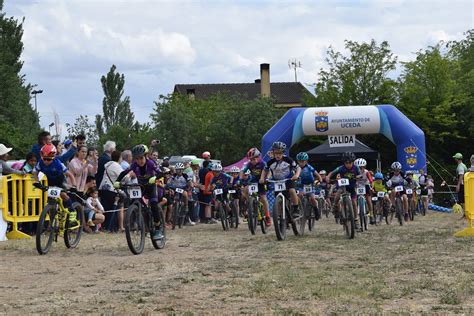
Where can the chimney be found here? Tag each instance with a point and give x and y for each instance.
(265, 80)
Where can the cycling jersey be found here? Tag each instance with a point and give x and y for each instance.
(411, 184)
(177, 181)
(349, 174)
(365, 179)
(222, 181)
(395, 180)
(281, 170)
(235, 181)
(148, 170)
(255, 170)
(379, 187)
(54, 172)
(307, 175)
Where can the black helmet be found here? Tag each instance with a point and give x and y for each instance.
(348, 156)
(139, 150)
(279, 146)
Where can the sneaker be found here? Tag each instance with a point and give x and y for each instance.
(189, 222)
(211, 221)
(158, 234)
(268, 221)
(406, 217)
(90, 223)
(318, 214)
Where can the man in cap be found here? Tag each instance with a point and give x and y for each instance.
(461, 169)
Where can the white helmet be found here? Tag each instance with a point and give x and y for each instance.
(179, 166)
(360, 162)
(396, 166)
(322, 172)
(234, 169)
(216, 167)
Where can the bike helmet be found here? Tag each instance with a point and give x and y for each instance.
(248, 172)
(253, 153)
(216, 167)
(278, 146)
(396, 166)
(378, 176)
(165, 170)
(206, 155)
(361, 162)
(48, 150)
(179, 166)
(409, 172)
(195, 162)
(302, 156)
(322, 172)
(348, 156)
(234, 169)
(139, 150)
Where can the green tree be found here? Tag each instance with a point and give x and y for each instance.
(18, 121)
(360, 78)
(115, 107)
(83, 126)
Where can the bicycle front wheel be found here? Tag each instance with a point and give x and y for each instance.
(158, 244)
(399, 210)
(279, 220)
(362, 204)
(135, 229)
(73, 230)
(224, 218)
(263, 225)
(349, 221)
(411, 209)
(252, 215)
(234, 219)
(47, 229)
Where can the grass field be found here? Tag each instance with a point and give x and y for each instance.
(417, 268)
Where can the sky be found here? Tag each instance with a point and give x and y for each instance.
(69, 45)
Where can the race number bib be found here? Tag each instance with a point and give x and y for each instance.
(280, 186)
(307, 189)
(135, 193)
(343, 182)
(375, 198)
(253, 188)
(399, 188)
(361, 191)
(380, 194)
(179, 190)
(218, 191)
(54, 192)
(322, 193)
(232, 191)
(418, 192)
(409, 191)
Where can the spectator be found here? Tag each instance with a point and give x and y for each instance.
(461, 169)
(112, 170)
(194, 214)
(126, 159)
(67, 144)
(109, 147)
(94, 210)
(44, 138)
(92, 158)
(205, 197)
(30, 163)
(58, 145)
(154, 156)
(206, 156)
(4, 167)
(81, 168)
(80, 140)
(472, 163)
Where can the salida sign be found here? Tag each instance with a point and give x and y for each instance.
(341, 140)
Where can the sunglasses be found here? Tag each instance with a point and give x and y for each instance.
(48, 159)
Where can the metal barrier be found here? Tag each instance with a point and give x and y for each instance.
(468, 205)
(20, 202)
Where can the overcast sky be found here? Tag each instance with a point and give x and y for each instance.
(69, 45)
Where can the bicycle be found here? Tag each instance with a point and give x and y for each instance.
(323, 204)
(234, 203)
(362, 207)
(308, 207)
(382, 208)
(399, 212)
(411, 204)
(420, 207)
(139, 220)
(347, 215)
(180, 209)
(282, 211)
(55, 221)
(222, 204)
(255, 213)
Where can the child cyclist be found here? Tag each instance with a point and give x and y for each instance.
(56, 173)
(220, 180)
(379, 186)
(256, 167)
(365, 180)
(146, 172)
(281, 167)
(179, 180)
(307, 178)
(349, 171)
(235, 185)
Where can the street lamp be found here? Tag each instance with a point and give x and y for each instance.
(34, 93)
(51, 125)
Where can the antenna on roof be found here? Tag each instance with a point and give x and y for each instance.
(293, 64)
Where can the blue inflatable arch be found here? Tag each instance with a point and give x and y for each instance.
(352, 120)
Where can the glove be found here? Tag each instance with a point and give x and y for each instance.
(73, 189)
(152, 180)
(116, 185)
(38, 185)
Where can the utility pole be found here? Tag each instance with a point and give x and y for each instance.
(293, 64)
(34, 93)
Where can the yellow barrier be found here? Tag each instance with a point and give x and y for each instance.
(20, 202)
(468, 205)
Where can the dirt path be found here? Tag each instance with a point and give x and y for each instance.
(416, 268)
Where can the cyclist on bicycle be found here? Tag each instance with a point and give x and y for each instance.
(179, 180)
(307, 178)
(236, 185)
(56, 173)
(146, 172)
(281, 167)
(349, 171)
(324, 185)
(256, 167)
(365, 180)
(220, 180)
(380, 187)
(397, 178)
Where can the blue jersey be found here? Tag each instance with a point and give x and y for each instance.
(307, 175)
(350, 174)
(222, 181)
(54, 172)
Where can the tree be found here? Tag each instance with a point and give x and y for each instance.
(115, 108)
(83, 126)
(18, 121)
(360, 78)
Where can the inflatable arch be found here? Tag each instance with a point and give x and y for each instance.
(352, 120)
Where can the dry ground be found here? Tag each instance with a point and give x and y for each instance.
(416, 268)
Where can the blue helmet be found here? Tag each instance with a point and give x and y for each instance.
(378, 176)
(302, 156)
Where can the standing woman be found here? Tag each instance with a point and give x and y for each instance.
(81, 168)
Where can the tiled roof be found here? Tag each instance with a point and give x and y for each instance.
(283, 92)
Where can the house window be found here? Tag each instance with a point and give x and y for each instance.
(191, 93)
